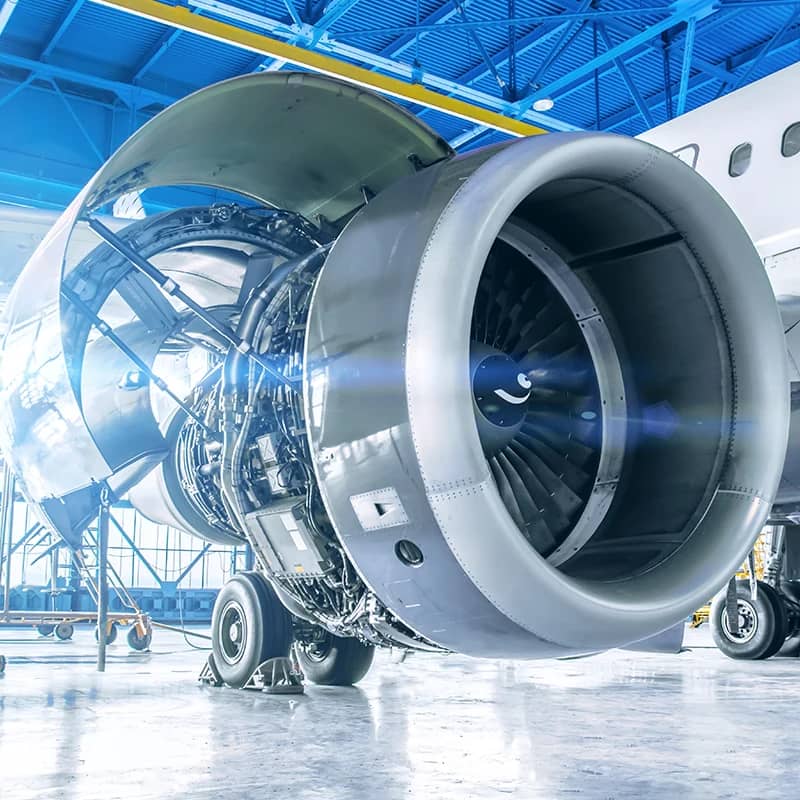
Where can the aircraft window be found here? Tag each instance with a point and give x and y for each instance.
(740, 159)
(790, 144)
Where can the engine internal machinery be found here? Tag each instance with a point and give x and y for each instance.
(514, 403)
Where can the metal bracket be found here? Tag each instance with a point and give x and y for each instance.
(170, 287)
(732, 607)
(751, 575)
(209, 674)
(276, 676)
(273, 676)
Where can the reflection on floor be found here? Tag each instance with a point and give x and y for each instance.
(620, 725)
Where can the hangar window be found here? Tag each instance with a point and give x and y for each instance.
(790, 144)
(740, 159)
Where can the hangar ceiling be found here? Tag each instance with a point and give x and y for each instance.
(77, 77)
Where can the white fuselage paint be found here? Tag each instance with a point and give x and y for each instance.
(765, 196)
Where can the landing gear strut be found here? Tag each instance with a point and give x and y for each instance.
(767, 617)
(251, 638)
(761, 627)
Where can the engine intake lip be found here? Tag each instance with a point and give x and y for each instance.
(582, 614)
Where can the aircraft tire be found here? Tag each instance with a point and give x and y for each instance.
(762, 623)
(249, 626)
(335, 660)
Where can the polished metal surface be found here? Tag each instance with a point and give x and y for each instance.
(295, 141)
(261, 136)
(601, 345)
(389, 335)
(651, 287)
(624, 726)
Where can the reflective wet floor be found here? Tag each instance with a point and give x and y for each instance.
(620, 725)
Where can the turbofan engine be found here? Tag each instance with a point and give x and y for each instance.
(513, 403)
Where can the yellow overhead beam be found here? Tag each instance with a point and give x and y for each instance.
(182, 18)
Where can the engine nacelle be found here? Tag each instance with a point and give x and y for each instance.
(610, 279)
(519, 402)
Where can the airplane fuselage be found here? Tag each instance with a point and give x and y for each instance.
(747, 146)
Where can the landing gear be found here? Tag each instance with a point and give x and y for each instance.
(761, 627)
(334, 661)
(64, 631)
(249, 626)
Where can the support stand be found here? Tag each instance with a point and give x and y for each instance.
(102, 578)
(209, 674)
(274, 676)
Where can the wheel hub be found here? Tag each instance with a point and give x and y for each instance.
(233, 632)
(501, 391)
(748, 623)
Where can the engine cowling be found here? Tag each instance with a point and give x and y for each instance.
(613, 280)
(527, 404)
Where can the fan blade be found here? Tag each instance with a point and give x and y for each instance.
(556, 341)
(561, 442)
(566, 403)
(570, 473)
(544, 322)
(535, 527)
(585, 431)
(562, 495)
(557, 521)
(508, 299)
(507, 493)
(532, 303)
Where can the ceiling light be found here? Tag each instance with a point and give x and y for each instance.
(543, 104)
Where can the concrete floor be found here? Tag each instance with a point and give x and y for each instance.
(620, 725)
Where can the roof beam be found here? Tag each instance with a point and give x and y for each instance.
(6, 10)
(15, 90)
(633, 90)
(130, 95)
(78, 123)
(681, 12)
(686, 64)
(789, 41)
(508, 22)
(333, 11)
(442, 14)
(156, 51)
(566, 39)
(66, 21)
(410, 73)
(487, 60)
(477, 107)
(716, 70)
(763, 53)
(541, 34)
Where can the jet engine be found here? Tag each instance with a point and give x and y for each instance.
(513, 403)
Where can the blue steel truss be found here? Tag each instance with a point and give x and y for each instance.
(77, 78)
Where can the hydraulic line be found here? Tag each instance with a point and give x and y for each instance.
(173, 289)
(107, 331)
